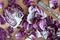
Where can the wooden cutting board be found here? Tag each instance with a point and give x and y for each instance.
(20, 2)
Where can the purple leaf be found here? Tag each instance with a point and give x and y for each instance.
(2, 19)
(8, 35)
(42, 24)
(28, 2)
(35, 26)
(59, 26)
(56, 23)
(49, 20)
(24, 23)
(38, 34)
(13, 14)
(10, 2)
(10, 29)
(1, 5)
(31, 37)
(58, 38)
(53, 4)
(2, 34)
(51, 33)
(35, 12)
(20, 33)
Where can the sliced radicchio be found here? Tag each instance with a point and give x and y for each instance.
(42, 24)
(1, 5)
(38, 34)
(49, 20)
(58, 34)
(53, 4)
(24, 23)
(35, 11)
(8, 36)
(39, 25)
(2, 34)
(2, 20)
(10, 29)
(13, 15)
(20, 33)
(44, 34)
(57, 23)
(28, 2)
(51, 33)
(31, 37)
(11, 1)
(35, 26)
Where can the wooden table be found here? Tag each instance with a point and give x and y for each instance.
(20, 2)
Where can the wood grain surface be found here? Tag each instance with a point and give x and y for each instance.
(20, 2)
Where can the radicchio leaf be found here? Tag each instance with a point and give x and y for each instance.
(44, 34)
(35, 26)
(20, 33)
(49, 20)
(42, 24)
(2, 20)
(2, 34)
(28, 2)
(53, 4)
(24, 23)
(58, 34)
(8, 36)
(11, 2)
(58, 38)
(35, 11)
(27, 39)
(10, 29)
(59, 26)
(51, 33)
(1, 5)
(56, 23)
(38, 34)
(31, 37)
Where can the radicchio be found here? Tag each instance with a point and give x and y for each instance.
(2, 19)
(53, 4)
(2, 34)
(8, 36)
(58, 34)
(38, 34)
(42, 24)
(31, 37)
(1, 5)
(13, 14)
(51, 33)
(24, 23)
(49, 20)
(56, 23)
(28, 2)
(10, 29)
(35, 11)
(20, 33)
